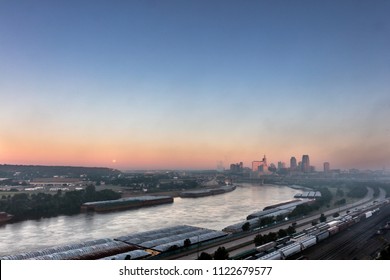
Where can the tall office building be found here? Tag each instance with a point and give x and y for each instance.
(293, 163)
(305, 163)
(326, 167)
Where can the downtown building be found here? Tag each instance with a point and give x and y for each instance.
(305, 164)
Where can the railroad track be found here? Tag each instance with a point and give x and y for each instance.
(347, 244)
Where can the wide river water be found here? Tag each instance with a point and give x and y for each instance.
(212, 212)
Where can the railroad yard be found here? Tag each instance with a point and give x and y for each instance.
(361, 241)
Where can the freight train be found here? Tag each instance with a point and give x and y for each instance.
(313, 235)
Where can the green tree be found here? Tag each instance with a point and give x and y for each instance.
(339, 192)
(205, 256)
(187, 242)
(246, 226)
(266, 221)
(259, 240)
(322, 218)
(90, 193)
(221, 254)
(291, 230)
(272, 236)
(279, 218)
(282, 233)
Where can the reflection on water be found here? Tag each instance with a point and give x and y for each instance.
(213, 212)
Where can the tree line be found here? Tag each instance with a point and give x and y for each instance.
(24, 206)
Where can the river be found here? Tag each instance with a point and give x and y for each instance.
(212, 212)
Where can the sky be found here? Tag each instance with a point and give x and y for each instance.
(188, 84)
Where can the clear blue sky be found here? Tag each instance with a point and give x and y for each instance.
(155, 84)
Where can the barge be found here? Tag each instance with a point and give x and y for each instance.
(125, 203)
(207, 192)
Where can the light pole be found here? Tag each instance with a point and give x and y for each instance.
(197, 251)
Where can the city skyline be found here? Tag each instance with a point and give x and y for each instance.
(185, 85)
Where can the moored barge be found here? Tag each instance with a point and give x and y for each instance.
(125, 203)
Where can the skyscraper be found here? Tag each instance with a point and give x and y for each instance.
(326, 167)
(293, 163)
(305, 163)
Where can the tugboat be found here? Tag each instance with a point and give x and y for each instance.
(5, 217)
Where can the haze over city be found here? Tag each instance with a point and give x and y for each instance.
(188, 84)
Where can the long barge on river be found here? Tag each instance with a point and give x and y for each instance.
(125, 203)
(207, 192)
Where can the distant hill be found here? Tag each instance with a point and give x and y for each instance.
(41, 171)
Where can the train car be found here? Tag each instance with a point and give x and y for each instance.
(298, 235)
(333, 230)
(333, 223)
(322, 226)
(343, 225)
(266, 246)
(283, 240)
(322, 235)
(291, 249)
(307, 241)
(311, 230)
(272, 256)
(346, 223)
(356, 219)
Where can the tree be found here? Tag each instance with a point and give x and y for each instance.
(90, 193)
(259, 240)
(187, 242)
(272, 236)
(282, 233)
(279, 218)
(205, 256)
(221, 254)
(322, 218)
(340, 202)
(290, 230)
(246, 226)
(266, 221)
(339, 192)
(301, 210)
